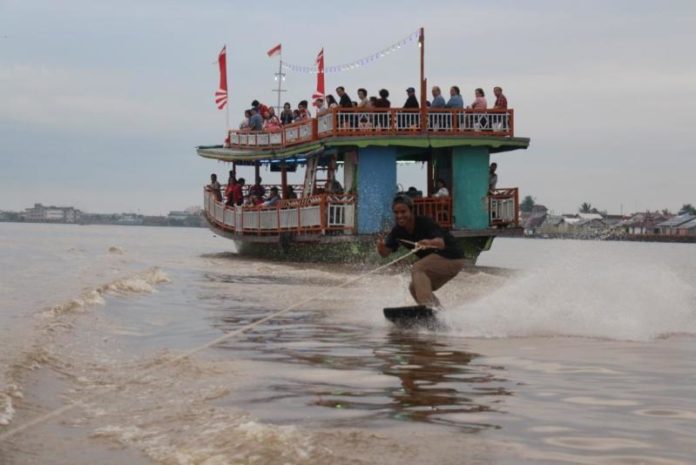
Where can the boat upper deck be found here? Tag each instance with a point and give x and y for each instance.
(362, 127)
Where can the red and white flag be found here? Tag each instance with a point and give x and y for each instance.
(274, 51)
(320, 76)
(221, 94)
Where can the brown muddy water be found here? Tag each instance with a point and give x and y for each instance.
(552, 352)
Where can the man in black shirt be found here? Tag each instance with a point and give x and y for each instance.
(345, 101)
(441, 259)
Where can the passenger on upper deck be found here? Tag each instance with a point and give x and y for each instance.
(271, 121)
(441, 189)
(273, 198)
(331, 102)
(259, 106)
(319, 104)
(411, 100)
(214, 187)
(256, 121)
(455, 100)
(305, 114)
(500, 99)
(345, 101)
(286, 116)
(480, 102)
(363, 101)
(383, 100)
(438, 99)
(245, 122)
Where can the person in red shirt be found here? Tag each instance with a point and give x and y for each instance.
(231, 183)
(238, 193)
(500, 99)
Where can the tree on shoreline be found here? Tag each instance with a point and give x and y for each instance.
(586, 207)
(527, 204)
(687, 209)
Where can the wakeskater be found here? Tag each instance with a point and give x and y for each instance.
(440, 258)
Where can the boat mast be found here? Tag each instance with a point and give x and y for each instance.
(280, 77)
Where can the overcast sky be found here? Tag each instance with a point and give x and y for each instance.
(103, 103)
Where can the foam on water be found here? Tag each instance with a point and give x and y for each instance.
(633, 299)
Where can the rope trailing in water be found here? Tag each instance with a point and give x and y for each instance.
(66, 408)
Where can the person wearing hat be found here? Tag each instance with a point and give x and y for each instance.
(440, 258)
(273, 198)
(411, 101)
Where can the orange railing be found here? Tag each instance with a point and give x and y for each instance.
(438, 208)
(504, 207)
(317, 214)
(352, 122)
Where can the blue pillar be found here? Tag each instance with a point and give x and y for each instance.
(376, 188)
(470, 187)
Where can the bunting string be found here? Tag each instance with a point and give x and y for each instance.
(369, 59)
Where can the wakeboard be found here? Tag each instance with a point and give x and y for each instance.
(412, 316)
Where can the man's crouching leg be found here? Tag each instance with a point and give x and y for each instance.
(421, 285)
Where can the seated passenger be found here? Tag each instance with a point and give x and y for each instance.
(333, 187)
(245, 122)
(438, 100)
(273, 199)
(500, 99)
(286, 115)
(383, 100)
(319, 104)
(441, 189)
(331, 102)
(256, 121)
(455, 100)
(259, 106)
(363, 101)
(414, 193)
(345, 101)
(305, 114)
(411, 100)
(291, 193)
(214, 187)
(271, 121)
(480, 102)
(257, 190)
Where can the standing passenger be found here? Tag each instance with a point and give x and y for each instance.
(500, 99)
(345, 101)
(214, 187)
(286, 116)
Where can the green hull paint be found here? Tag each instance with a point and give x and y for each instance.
(361, 250)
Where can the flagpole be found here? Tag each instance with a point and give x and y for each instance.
(279, 77)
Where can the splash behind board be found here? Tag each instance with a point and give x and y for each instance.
(411, 316)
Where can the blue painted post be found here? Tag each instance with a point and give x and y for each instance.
(376, 188)
(470, 187)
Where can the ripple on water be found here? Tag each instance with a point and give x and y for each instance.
(667, 413)
(596, 443)
(602, 402)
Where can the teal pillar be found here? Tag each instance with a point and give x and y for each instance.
(470, 187)
(376, 178)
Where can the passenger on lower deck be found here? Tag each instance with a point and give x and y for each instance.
(214, 187)
(273, 198)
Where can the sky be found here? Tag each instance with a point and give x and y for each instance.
(103, 103)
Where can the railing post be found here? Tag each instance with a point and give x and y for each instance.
(511, 115)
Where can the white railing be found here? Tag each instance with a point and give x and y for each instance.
(503, 206)
(325, 124)
(391, 121)
(316, 214)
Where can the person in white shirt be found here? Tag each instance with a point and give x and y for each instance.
(441, 189)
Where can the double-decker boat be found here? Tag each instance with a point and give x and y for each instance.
(323, 224)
